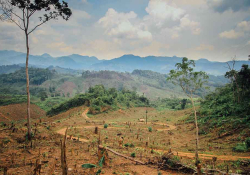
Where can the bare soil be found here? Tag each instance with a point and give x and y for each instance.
(168, 133)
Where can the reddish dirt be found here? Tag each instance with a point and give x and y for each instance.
(17, 112)
(84, 114)
(170, 127)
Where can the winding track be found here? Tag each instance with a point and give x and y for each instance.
(171, 127)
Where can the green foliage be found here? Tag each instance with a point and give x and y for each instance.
(106, 125)
(131, 145)
(170, 104)
(100, 99)
(183, 103)
(240, 147)
(186, 78)
(133, 154)
(89, 165)
(100, 164)
(150, 129)
(227, 105)
(173, 160)
(12, 99)
(36, 75)
(247, 141)
(50, 102)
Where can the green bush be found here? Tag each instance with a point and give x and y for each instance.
(131, 145)
(150, 129)
(240, 147)
(132, 154)
(106, 125)
(247, 141)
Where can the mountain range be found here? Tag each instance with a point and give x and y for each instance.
(125, 63)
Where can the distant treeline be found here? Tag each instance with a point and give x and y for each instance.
(6, 69)
(100, 99)
(36, 75)
(170, 104)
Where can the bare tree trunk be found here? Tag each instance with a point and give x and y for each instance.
(63, 155)
(197, 140)
(27, 85)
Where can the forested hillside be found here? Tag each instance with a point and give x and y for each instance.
(14, 83)
(56, 82)
(228, 108)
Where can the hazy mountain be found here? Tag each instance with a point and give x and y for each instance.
(45, 60)
(162, 64)
(125, 63)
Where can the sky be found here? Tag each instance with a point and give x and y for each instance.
(217, 30)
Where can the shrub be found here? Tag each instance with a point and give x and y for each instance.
(202, 132)
(248, 142)
(131, 145)
(240, 147)
(126, 144)
(150, 129)
(132, 154)
(105, 125)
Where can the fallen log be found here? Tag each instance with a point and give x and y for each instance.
(118, 154)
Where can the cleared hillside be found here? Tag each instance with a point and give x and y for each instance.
(16, 112)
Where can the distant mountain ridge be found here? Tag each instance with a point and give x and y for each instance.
(125, 63)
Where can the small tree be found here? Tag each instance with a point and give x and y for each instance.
(190, 82)
(20, 12)
(232, 75)
(183, 103)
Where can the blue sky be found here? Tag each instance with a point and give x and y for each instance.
(214, 29)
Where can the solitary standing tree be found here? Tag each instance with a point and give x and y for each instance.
(190, 82)
(20, 12)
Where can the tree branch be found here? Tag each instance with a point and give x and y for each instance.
(31, 13)
(36, 27)
(10, 18)
(16, 15)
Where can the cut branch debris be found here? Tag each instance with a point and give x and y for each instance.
(118, 154)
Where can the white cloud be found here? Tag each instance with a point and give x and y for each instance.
(241, 29)
(244, 26)
(123, 25)
(160, 12)
(203, 47)
(248, 43)
(192, 25)
(232, 34)
(160, 9)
